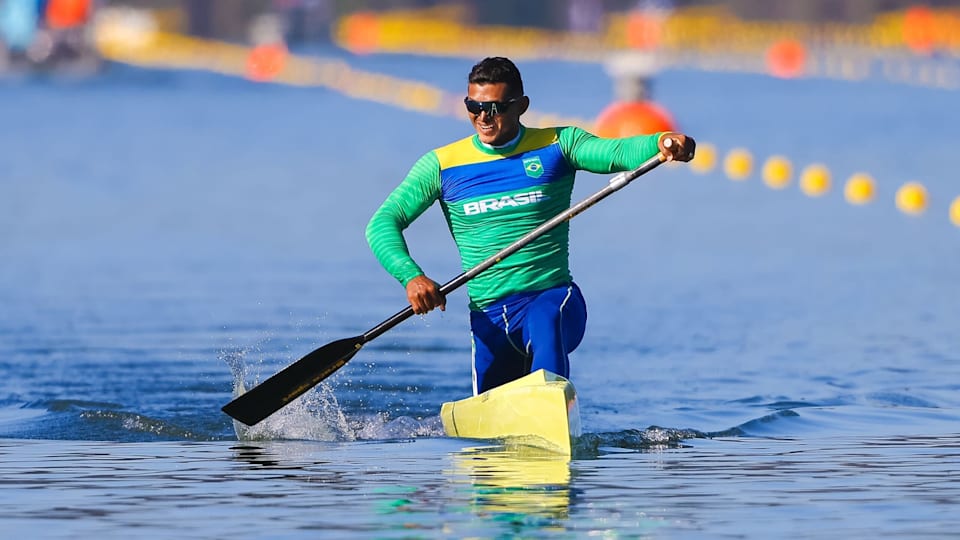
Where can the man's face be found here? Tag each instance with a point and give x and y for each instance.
(496, 129)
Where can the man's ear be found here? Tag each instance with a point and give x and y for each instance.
(524, 104)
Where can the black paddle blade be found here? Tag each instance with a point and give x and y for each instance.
(272, 394)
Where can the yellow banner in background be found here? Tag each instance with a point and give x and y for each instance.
(137, 41)
(897, 46)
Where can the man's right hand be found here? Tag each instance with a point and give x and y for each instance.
(424, 295)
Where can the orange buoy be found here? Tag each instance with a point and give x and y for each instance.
(787, 59)
(265, 62)
(919, 29)
(628, 118)
(61, 14)
(360, 32)
(644, 30)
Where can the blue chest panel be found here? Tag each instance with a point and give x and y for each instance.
(504, 175)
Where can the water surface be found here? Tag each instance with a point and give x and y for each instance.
(757, 363)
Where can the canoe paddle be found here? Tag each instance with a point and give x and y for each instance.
(288, 384)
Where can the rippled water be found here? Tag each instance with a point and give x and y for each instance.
(757, 363)
(730, 487)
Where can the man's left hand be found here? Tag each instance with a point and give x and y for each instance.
(679, 148)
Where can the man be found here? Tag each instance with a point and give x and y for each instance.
(526, 313)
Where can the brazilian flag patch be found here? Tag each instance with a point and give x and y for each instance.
(533, 167)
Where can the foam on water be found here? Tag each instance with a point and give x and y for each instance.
(318, 416)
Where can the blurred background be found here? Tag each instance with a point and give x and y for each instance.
(45, 33)
(900, 42)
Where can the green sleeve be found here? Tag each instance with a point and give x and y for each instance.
(588, 152)
(418, 191)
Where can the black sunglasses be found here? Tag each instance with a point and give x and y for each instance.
(492, 108)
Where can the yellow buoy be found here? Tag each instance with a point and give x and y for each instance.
(705, 159)
(955, 212)
(777, 172)
(738, 165)
(815, 180)
(912, 198)
(860, 189)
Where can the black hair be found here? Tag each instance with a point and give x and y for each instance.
(496, 69)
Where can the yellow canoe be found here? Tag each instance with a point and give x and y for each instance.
(539, 410)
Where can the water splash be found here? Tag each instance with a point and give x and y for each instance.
(381, 426)
(318, 416)
(651, 438)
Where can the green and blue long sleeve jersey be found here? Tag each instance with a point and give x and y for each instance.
(491, 197)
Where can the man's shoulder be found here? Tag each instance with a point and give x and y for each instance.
(459, 152)
(466, 142)
(565, 137)
(537, 138)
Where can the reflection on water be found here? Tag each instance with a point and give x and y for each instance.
(262, 456)
(516, 484)
(896, 487)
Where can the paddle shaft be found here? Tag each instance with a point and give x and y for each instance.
(616, 183)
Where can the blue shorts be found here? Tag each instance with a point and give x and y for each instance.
(524, 332)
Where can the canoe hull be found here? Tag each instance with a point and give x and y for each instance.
(539, 410)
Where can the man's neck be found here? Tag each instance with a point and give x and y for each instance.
(511, 142)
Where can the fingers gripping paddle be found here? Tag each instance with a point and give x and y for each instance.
(288, 384)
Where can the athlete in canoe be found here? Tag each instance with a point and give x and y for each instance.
(526, 312)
